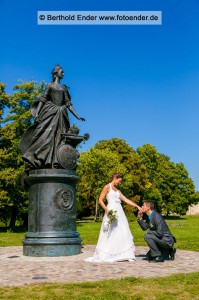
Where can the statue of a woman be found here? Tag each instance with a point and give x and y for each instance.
(40, 142)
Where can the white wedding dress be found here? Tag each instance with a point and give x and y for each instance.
(116, 244)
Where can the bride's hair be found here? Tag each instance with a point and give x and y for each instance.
(115, 175)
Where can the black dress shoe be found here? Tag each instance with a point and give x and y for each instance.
(148, 255)
(172, 253)
(146, 258)
(157, 259)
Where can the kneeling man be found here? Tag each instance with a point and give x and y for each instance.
(159, 237)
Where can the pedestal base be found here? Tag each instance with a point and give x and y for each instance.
(43, 244)
(52, 214)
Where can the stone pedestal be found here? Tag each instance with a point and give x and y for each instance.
(52, 213)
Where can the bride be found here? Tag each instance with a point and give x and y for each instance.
(115, 241)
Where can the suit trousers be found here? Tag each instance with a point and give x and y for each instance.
(156, 245)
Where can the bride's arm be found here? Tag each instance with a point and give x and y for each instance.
(129, 202)
(102, 197)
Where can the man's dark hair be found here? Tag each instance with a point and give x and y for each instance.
(149, 203)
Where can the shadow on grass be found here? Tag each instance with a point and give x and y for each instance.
(174, 217)
(17, 229)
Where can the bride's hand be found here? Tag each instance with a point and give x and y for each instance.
(139, 209)
(140, 214)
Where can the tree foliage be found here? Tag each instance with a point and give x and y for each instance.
(17, 117)
(136, 175)
(171, 187)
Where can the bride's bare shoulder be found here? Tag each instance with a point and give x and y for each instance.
(106, 188)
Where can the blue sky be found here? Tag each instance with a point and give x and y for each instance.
(137, 83)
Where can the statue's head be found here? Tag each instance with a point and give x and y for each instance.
(55, 71)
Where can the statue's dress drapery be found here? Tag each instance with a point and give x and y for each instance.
(40, 142)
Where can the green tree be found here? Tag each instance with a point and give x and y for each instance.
(13, 199)
(136, 177)
(172, 189)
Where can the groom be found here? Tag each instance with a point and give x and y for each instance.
(159, 238)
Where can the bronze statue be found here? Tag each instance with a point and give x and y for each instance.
(50, 156)
(40, 142)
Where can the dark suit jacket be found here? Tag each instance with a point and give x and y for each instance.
(158, 227)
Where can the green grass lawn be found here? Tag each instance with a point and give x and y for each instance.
(180, 286)
(185, 229)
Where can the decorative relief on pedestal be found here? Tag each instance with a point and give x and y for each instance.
(67, 156)
(64, 198)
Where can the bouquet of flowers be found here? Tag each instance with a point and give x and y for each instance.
(112, 217)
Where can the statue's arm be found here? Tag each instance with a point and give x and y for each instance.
(70, 107)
